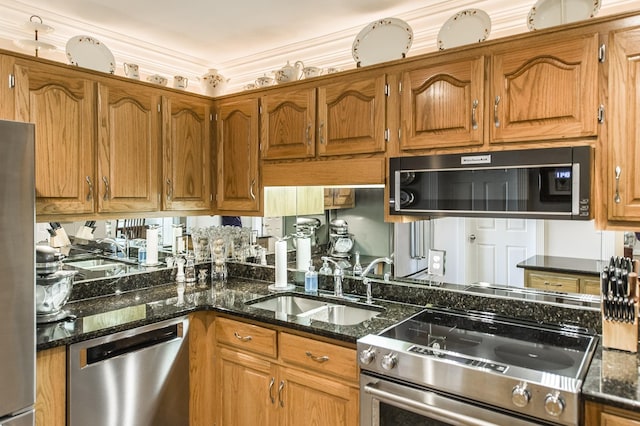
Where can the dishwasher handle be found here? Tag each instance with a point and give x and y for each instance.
(108, 350)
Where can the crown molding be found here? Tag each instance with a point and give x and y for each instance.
(330, 50)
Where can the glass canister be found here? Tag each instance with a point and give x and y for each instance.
(218, 261)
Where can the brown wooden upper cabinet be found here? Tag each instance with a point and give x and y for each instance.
(623, 188)
(543, 89)
(186, 153)
(442, 105)
(128, 148)
(62, 107)
(238, 188)
(344, 117)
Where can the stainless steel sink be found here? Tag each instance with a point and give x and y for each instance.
(317, 309)
(97, 264)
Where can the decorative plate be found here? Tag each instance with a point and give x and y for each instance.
(87, 52)
(465, 27)
(549, 13)
(381, 41)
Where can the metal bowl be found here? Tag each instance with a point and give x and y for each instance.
(53, 291)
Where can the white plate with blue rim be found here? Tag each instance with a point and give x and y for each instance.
(383, 40)
(88, 52)
(466, 27)
(549, 13)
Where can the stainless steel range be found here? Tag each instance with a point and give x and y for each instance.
(444, 367)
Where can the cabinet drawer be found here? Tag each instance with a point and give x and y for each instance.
(245, 336)
(554, 282)
(319, 356)
(590, 286)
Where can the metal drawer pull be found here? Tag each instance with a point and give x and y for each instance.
(321, 132)
(106, 188)
(90, 193)
(241, 338)
(253, 196)
(308, 134)
(616, 198)
(280, 387)
(552, 284)
(169, 190)
(271, 397)
(496, 120)
(474, 121)
(319, 359)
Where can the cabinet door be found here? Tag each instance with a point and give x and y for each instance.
(623, 195)
(186, 154)
(237, 148)
(308, 399)
(442, 105)
(7, 91)
(351, 116)
(246, 390)
(545, 90)
(51, 385)
(128, 149)
(287, 124)
(62, 108)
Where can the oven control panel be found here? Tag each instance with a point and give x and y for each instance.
(472, 362)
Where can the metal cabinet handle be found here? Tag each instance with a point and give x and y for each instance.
(242, 338)
(308, 134)
(280, 387)
(90, 193)
(547, 283)
(319, 359)
(271, 397)
(253, 182)
(320, 132)
(496, 120)
(169, 189)
(474, 121)
(616, 198)
(106, 188)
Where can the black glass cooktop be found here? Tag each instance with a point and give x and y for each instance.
(493, 342)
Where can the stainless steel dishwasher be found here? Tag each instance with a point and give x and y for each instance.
(137, 377)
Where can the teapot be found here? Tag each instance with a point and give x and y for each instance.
(289, 72)
(213, 82)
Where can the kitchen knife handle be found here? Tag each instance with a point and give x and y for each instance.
(474, 120)
(90, 193)
(496, 120)
(106, 188)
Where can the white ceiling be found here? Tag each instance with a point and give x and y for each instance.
(246, 38)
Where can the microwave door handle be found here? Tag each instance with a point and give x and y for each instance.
(410, 404)
(575, 189)
(396, 191)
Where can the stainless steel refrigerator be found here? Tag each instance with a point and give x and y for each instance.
(17, 274)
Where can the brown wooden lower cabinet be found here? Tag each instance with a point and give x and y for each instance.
(294, 380)
(596, 414)
(51, 379)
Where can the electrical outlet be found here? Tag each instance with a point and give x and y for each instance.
(436, 262)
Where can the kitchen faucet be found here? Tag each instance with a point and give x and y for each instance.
(338, 275)
(367, 281)
(124, 248)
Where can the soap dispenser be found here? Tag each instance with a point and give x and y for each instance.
(326, 269)
(311, 280)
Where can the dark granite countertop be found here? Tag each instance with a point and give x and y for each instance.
(570, 265)
(109, 314)
(613, 379)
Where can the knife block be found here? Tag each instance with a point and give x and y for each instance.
(622, 335)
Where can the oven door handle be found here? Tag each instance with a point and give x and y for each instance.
(433, 412)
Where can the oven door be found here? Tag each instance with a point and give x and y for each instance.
(385, 403)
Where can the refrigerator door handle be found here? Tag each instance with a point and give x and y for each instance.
(416, 240)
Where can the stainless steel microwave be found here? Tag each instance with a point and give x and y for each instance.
(548, 183)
